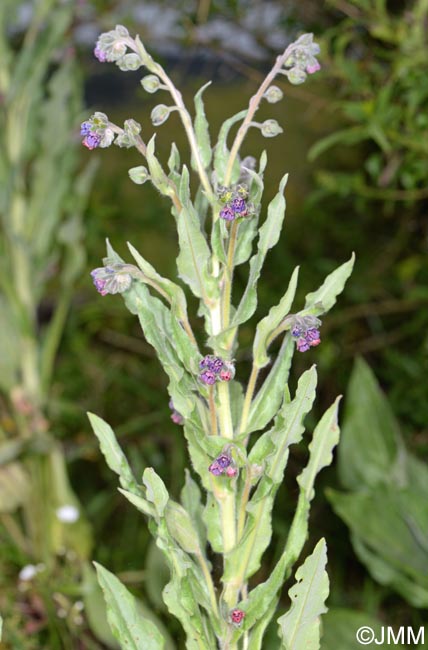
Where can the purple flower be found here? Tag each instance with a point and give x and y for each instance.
(85, 128)
(313, 336)
(239, 206)
(223, 461)
(208, 377)
(100, 54)
(176, 417)
(109, 279)
(296, 331)
(216, 364)
(227, 213)
(302, 345)
(314, 67)
(92, 141)
(232, 472)
(215, 469)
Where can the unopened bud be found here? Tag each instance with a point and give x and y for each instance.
(129, 62)
(151, 83)
(138, 175)
(270, 128)
(273, 94)
(160, 114)
(296, 76)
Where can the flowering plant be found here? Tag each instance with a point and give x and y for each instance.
(240, 475)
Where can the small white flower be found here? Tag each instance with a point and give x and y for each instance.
(68, 514)
(28, 572)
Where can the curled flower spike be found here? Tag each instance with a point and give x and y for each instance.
(112, 279)
(236, 617)
(305, 331)
(100, 54)
(235, 199)
(97, 131)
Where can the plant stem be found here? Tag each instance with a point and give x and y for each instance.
(242, 506)
(227, 290)
(248, 398)
(252, 108)
(213, 414)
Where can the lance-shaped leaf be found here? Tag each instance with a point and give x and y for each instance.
(268, 399)
(323, 299)
(299, 628)
(156, 490)
(159, 178)
(181, 528)
(186, 346)
(268, 237)
(267, 326)
(202, 130)
(221, 154)
(325, 438)
(194, 256)
(126, 622)
(271, 450)
(112, 452)
(191, 499)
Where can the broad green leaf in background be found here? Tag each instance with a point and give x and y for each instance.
(128, 625)
(299, 628)
(340, 626)
(14, 486)
(323, 299)
(389, 527)
(371, 448)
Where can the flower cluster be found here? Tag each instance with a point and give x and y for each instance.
(97, 131)
(305, 330)
(112, 47)
(176, 417)
(114, 278)
(223, 464)
(236, 204)
(215, 369)
(302, 60)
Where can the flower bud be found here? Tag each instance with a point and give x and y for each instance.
(236, 617)
(270, 128)
(273, 94)
(151, 83)
(138, 175)
(129, 62)
(296, 76)
(231, 472)
(160, 114)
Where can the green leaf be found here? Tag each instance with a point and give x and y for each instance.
(221, 153)
(389, 527)
(347, 136)
(268, 399)
(323, 299)
(132, 630)
(95, 608)
(270, 323)
(187, 348)
(371, 449)
(112, 452)
(194, 256)
(324, 440)
(139, 502)
(14, 486)
(202, 130)
(157, 175)
(156, 490)
(268, 236)
(340, 626)
(270, 450)
(299, 628)
(181, 528)
(191, 499)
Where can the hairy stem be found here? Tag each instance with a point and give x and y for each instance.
(213, 414)
(227, 290)
(252, 108)
(248, 398)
